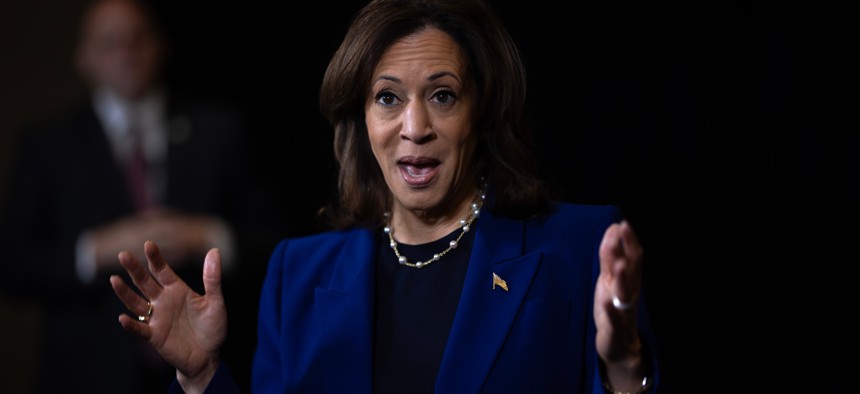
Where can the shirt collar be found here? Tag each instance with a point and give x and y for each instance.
(115, 111)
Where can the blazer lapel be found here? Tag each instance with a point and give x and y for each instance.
(345, 311)
(485, 314)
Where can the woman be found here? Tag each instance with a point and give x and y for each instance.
(448, 270)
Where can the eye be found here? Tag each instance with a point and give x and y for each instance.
(386, 98)
(444, 97)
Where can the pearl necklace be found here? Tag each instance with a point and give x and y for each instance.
(465, 225)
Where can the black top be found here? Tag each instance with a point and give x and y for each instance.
(414, 312)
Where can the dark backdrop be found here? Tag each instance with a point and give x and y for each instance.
(711, 124)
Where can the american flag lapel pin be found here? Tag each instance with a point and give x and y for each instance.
(498, 281)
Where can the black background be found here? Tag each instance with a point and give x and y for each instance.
(711, 124)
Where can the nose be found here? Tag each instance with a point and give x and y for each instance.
(417, 126)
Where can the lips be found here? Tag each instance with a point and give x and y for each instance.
(418, 171)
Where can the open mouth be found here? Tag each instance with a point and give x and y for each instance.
(418, 171)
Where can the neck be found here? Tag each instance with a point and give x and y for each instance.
(464, 225)
(418, 227)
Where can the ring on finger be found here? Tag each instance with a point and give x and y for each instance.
(148, 313)
(618, 304)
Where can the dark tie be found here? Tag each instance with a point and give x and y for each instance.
(136, 171)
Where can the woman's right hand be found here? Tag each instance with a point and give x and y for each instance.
(186, 328)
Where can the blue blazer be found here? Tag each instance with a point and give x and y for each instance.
(315, 331)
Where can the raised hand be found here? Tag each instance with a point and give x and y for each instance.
(186, 328)
(615, 300)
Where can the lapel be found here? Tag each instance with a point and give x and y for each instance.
(485, 315)
(345, 311)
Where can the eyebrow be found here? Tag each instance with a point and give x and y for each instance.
(432, 77)
(442, 74)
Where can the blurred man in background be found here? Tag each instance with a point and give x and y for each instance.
(136, 160)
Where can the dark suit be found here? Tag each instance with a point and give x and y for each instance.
(65, 180)
(316, 315)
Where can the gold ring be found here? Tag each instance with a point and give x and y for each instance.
(148, 313)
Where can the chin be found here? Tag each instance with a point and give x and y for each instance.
(423, 199)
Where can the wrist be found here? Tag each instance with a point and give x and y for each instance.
(196, 383)
(627, 377)
(644, 385)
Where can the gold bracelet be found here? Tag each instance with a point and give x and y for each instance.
(645, 384)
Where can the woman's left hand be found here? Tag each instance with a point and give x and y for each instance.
(615, 302)
(186, 328)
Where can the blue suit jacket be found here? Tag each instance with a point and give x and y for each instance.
(316, 311)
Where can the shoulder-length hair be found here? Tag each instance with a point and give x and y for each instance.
(503, 155)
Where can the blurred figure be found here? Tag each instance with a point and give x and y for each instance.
(135, 161)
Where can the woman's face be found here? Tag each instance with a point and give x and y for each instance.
(418, 117)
